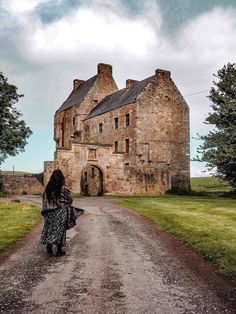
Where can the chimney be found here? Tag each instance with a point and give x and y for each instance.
(130, 83)
(77, 83)
(105, 68)
(161, 72)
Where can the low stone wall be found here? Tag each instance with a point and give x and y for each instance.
(21, 184)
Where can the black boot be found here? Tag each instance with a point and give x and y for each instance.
(49, 249)
(60, 252)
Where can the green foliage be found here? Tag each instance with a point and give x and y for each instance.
(206, 224)
(15, 221)
(13, 129)
(219, 146)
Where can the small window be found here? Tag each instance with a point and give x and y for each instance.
(73, 120)
(127, 120)
(86, 177)
(116, 123)
(127, 145)
(93, 172)
(100, 127)
(86, 131)
(116, 147)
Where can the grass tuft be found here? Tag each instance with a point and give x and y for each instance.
(15, 221)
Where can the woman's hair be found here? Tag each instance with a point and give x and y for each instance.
(56, 182)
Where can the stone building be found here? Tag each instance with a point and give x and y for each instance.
(129, 141)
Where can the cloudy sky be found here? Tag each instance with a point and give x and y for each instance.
(45, 44)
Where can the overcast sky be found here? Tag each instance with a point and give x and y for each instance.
(45, 44)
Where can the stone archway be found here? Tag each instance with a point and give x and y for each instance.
(92, 180)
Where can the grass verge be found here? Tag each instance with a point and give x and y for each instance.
(15, 221)
(206, 224)
(209, 184)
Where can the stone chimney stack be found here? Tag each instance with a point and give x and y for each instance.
(104, 69)
(77, 83)
(165, 73)
(130, 83)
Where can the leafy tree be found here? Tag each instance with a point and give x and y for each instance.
(219, 146)
(13, 130)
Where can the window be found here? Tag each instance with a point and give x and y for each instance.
(116, 147)
(127, 145)
(73, 120)
(86, 177)
(100, 127)
(93, 172)
(127, 121)
(116, 123)
(63, 133)
(86, 131)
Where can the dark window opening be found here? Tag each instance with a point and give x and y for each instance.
(127, 145)
(116, 147)
(86, 177)
(100, 127)
(63, 133)
(87, 131)
(73, 121)
(116, 123)
(93, 172)
(127, 120)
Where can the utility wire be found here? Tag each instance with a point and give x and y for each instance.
(203, 91)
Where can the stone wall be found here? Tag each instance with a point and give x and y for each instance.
(21, 184)
(68, 125)
(49, 166)
(163, 130)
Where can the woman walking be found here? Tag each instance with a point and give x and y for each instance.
(59, 214)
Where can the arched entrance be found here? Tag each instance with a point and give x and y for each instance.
(92, 181)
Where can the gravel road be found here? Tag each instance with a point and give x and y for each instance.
(116, 262)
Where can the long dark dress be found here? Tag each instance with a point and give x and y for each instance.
(55, 215)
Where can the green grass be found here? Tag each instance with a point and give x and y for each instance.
(206, 224)
(209, 184)
(15, 221)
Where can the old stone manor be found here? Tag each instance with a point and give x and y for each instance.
(129, 141)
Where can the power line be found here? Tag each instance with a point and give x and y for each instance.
(203, 91)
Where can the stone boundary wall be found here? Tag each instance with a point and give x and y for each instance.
(21, 184)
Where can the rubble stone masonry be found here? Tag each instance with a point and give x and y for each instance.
(138, 146)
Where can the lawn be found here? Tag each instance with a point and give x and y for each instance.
(209, 184)
(206, 224)
(15, 221)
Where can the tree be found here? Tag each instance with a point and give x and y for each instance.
(13, 130)
(219, 146)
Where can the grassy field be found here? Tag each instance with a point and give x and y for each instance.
(209, 184)
(15, 221)
(206, 224)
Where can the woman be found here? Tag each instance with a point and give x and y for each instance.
(58, 212)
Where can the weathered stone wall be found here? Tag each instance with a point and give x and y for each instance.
(70, 120)
(49, 166)
(158, 135)
(21, 184)
(110, 134)
(163, 130)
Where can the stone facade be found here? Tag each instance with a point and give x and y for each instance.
(21, 184)
(129, 141)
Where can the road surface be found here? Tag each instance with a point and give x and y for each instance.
(116, 262)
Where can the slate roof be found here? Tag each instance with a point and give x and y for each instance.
(120, 98)
(78, 95)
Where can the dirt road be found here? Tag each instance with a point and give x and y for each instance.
(116, 262)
